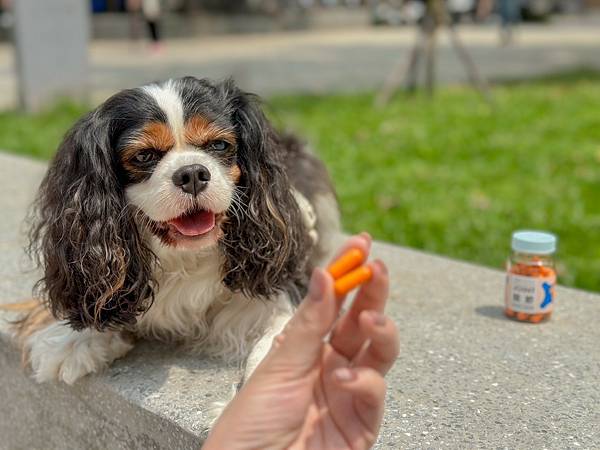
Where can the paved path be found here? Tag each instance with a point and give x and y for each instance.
(322, 61)
(466, 378)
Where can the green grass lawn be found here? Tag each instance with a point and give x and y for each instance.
(450, 176)
(37, 135)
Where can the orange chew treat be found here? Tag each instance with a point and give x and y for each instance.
(351, 280)
(345, 263)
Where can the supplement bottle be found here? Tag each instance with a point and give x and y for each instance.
(531, 277)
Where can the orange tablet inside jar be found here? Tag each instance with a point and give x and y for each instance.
(531, 277)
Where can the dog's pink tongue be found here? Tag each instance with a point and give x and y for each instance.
(194, 224)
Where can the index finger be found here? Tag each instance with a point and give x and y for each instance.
(299, 345)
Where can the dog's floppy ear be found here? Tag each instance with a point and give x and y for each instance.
(265, 243)
(96, 269)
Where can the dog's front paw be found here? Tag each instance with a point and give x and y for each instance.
(50, 364)
(58, 352)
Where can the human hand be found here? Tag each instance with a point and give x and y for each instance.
(315, 393)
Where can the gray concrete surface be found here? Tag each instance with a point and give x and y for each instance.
(466, 378)
(318, 61)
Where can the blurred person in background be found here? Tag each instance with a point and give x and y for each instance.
(510, 15)
(151, 11)
(484, 10)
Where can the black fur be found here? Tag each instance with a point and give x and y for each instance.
(97, 269)
(268, 247)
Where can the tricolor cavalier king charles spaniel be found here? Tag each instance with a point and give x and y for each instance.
(173, 211)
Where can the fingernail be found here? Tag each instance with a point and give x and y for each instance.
(315, 289)
(377, 318)
(344, 374)
(365, 235)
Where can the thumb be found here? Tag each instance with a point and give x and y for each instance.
(300, 344)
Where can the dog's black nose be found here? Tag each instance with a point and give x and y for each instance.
(192, 179)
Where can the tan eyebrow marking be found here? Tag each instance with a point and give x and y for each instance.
(154, 135)
(199, 131)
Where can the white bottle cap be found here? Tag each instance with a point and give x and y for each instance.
(534, 242)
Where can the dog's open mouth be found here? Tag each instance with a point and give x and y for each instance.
(194, 223)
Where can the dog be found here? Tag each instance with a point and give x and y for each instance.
(174, 211)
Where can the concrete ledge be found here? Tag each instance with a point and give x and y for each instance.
(89, 415)
(466, 377)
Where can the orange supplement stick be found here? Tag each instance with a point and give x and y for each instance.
(349, 260)
(351, 280)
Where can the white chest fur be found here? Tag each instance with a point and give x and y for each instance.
(193, 305)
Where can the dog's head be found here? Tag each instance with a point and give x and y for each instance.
(188, 163)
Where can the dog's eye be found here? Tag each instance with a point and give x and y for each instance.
(219, 146)
(145, 156)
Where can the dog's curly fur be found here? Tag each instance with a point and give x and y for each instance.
(106, 260)
(98, 271)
